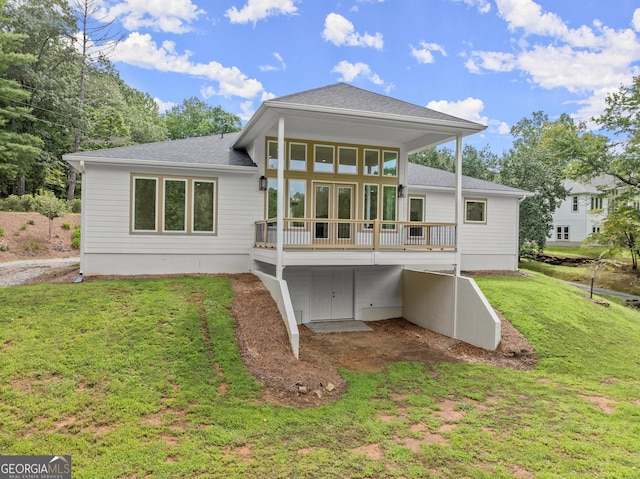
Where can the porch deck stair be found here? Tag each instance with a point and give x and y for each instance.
(347, 326)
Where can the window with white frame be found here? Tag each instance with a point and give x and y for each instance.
(475, 211)
(187, 205)
(574, 204)
(562, 233)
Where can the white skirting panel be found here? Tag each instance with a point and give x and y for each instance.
(137, 264)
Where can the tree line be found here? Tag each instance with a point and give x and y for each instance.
(59, 93)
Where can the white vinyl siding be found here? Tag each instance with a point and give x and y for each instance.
(106, 225)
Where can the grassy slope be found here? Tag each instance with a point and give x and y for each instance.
(120, 375)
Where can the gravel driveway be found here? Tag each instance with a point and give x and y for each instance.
(15, 273)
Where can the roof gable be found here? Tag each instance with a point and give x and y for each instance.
(348, 97)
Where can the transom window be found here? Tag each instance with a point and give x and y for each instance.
(475, 211)
(323, 161)
(173, 205)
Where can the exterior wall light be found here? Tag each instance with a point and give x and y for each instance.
(263, 183)
(400, 191)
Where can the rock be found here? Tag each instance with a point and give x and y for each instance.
(303, 389)
(330, 387)
(318, 393)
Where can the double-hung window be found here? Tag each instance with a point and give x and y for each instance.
(475, 211)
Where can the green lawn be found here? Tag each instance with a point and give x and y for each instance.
(141, 378)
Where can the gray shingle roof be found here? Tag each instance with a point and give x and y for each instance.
(206, 150)
(348, 97)
(419, 175)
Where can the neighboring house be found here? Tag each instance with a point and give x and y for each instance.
(317, 197)
(581, 212)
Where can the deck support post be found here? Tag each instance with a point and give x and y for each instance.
(459, 221)
(281, 197)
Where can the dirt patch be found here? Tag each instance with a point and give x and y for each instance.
(26, 236)
(269, 357)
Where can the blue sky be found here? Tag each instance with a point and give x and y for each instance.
(490, 61)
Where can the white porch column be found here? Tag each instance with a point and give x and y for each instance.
(280, 198)
(459, 221)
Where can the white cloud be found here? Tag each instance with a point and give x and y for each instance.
(255, 10)
(141, 51)
(351, 71)
(340, 31)
(483, 5)
(160, 15)
(586, 61)
(636, 20)
(470, 109)
(163, 106)
(274, 68)
(424, 54)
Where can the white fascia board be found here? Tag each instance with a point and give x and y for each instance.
(88, 160)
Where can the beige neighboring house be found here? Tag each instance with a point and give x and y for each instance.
(317, 197)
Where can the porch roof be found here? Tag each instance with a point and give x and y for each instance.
(345, 111)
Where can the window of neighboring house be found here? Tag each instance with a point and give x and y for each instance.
(636, 205)
(347, 160)
(562, 233)
(180, 197)
(574, 204)
(371, 162)
(297, 156)
(596, 202)
(297, 194)
(323, 161)
(174, 206)
(272, 154)
(389, 163)
(272, 198)
(595, 229)
(475, 211)
(145, 194)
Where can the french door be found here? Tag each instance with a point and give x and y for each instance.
(331, 294)
(333, 201)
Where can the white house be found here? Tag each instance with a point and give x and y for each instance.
(317, 197)
(581, 212)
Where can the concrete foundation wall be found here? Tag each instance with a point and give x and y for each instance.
(429, 300)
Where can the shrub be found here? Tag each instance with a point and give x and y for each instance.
(16, 203)
(23, 226)
(4, 246)
(31, 222)
(75, 237)
(48, 205)
(66, 226)
(1, 231)
(75, 205)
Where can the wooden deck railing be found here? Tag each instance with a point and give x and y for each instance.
(305, 233)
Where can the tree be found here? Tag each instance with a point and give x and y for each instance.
(49, 27)
(48, 205)
(195, 118)
(96, 39)
(18, 149)
(618, 156)
(621, 229)
(480, 164)
(531, 165)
